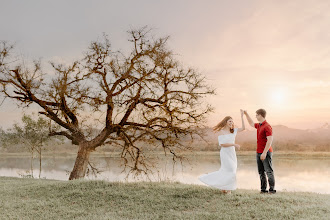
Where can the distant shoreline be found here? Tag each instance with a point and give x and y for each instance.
(187, 153)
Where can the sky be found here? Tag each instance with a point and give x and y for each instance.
(257, 54)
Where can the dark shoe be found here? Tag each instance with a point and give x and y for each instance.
(263, 191)
(272, 191)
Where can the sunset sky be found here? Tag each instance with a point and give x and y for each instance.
(257, 53)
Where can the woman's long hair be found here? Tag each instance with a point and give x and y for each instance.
(222, 124)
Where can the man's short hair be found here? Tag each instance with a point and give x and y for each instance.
(261, 112)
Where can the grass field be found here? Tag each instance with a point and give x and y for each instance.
(81, 199)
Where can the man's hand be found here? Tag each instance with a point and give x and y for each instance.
(262, 156)
(237, 146)
(251, 123)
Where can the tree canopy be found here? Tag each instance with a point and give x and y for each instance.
(145, 95)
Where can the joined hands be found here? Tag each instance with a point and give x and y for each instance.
(243, 112)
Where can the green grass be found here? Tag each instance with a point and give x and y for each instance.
(50, 199)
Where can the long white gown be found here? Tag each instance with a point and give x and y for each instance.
(225, 177)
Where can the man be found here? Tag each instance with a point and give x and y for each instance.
(264, 150)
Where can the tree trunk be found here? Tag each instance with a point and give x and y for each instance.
(80, 166)
(32, 163)
(39, 162)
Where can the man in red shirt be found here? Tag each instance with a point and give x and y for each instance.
(264, 150)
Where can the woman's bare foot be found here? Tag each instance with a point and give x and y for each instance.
(226, 191)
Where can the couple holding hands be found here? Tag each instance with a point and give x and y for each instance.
(225, 177)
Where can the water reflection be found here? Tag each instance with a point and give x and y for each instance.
(292, 174)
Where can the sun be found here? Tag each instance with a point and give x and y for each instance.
(278, 96)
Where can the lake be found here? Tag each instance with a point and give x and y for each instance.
(308, 174)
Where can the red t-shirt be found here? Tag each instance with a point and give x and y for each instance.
(263, 131)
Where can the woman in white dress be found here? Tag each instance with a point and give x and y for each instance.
(225, 177)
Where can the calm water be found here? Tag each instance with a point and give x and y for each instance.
(292, 174)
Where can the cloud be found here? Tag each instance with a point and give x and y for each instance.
(291, 35)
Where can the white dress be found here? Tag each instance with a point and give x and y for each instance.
(225, 177)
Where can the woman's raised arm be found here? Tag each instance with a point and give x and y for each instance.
(243, 125)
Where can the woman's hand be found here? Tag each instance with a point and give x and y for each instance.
(237, 146)
(242, 113)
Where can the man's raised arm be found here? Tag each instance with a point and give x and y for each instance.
(249, 118)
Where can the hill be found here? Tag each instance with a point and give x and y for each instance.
(50, 199)
(285, 138)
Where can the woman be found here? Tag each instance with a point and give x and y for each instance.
(225, 177)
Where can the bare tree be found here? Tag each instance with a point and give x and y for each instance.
(145, 96)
